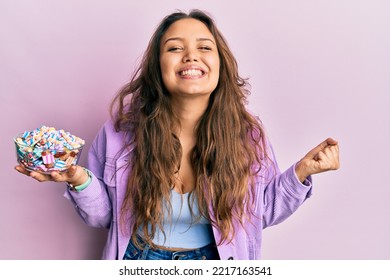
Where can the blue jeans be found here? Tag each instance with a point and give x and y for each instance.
(208, 252)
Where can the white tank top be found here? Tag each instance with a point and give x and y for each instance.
(181, 231)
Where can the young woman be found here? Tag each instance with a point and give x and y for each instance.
(182, 170)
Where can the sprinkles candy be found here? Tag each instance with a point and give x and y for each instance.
(46, 149)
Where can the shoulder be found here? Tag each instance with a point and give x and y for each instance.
(109, 131)
(111, 141)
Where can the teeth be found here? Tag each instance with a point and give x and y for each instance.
(191, 72)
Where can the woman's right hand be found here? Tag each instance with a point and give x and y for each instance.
(75, 175)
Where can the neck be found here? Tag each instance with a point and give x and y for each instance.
(189, 112)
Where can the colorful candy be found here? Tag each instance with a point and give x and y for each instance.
(48, 159)
(46, 149)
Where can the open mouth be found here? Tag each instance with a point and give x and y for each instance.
(191, 73)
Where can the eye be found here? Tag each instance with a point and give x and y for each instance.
(174, 49)
(205, 48)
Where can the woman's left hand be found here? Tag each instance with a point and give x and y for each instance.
(322, 158)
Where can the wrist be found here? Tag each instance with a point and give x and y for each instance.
(300, 171)
(80, 177)
(82, 182)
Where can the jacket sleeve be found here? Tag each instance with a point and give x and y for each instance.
(283, 193)
(93, 203)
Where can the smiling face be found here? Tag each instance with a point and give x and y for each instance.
(189, 59)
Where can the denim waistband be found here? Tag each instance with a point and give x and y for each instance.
(208, 252)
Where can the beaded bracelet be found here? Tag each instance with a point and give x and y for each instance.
(82, 186)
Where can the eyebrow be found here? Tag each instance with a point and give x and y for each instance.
(181, 39)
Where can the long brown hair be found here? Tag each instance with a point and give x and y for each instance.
(229, 147)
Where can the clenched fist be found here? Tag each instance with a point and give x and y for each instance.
(322, 158)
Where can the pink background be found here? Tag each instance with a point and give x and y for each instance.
(317, 69)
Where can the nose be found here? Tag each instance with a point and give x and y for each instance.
(189, 56)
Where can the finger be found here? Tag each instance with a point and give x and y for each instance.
(313, 153)
(22, 169)
(335, 151)
(328, 152)
(57, 176)
(40, 177)
(328, 159)
(321, 156)
(331, 141)
(325, 162)
(320, 147)
(72, 171)
(64, 176)
(335, 154)
(332, 152)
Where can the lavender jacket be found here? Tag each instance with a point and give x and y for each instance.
(276, 198)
